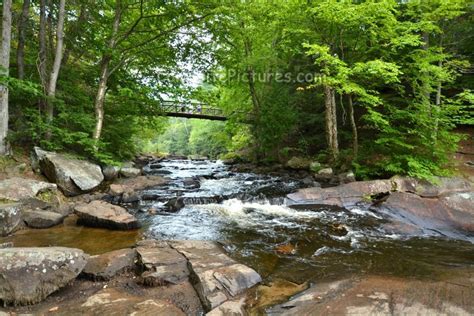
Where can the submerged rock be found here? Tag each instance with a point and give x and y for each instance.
(18, 189)
(73, 176)
(10, 218)
(106, 215)
(29, 275)
(109, 264)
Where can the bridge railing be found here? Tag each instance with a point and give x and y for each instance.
(192, 108)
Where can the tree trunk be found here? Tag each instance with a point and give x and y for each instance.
(331, 122)
(20, 52)
(355, 141)
(51, 92)
(5, 65)
(42, 47)
(104, 75)
(100, 98)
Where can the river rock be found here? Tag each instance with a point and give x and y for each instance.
(110, 172)
(10, 218)
(163, 264)
(175, 204)
(29, 275)
(130, 172)
(439, 187)
(114, 301)
(298, 163)
(345, 195)
(42, 219)
(109, 264)
(106, 215)
(234, 308)
(131, 185)
(73, 176)
(446, 216)
(17, 189)
(216, 277)
(383, 295)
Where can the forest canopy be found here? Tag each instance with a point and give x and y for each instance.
(373, 86)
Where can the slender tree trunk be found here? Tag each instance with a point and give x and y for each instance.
(100, 98)
(331, 121)
(104, 75)
(20, 52)
(5, 65)
(51, 92)
(42, 63)
(355, 141)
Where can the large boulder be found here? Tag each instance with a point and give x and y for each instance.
(10, 218)
(109, 264)
(29, 275)
(17, 189)
(106, 215)
(42, 218)
(73, 176)
(216, 277)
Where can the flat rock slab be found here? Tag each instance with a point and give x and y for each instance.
(109, 264)
(360, 192)
(216, 277)
(106, 215)
(449, 215)
(17, 189)
(42, 219)
(163, 264)
(375, 295)
(345, 195)
(29, 275)
(114, 301)
(73, 176)
(234, 307)
(135, 184)
(10, 218)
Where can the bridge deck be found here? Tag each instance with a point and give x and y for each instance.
(192, 110)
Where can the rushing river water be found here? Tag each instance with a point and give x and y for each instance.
(247, 214)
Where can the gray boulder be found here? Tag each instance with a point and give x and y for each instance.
(29, 275)
(10, 218)
(17, 189)
(110, 172)
(42, 218)
(73, 176)
(106, 215)
(130, 172)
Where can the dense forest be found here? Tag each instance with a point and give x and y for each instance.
(373, 86)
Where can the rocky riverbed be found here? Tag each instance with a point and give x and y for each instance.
(178, 236)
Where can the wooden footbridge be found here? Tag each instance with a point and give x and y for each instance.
(192, 110)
